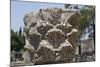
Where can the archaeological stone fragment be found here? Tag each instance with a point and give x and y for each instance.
(50, 33)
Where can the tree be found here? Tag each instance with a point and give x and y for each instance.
(87, 14)
(67, 5)
(20, 31)
(17, 41)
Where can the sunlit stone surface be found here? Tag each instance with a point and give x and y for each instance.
(50, 36)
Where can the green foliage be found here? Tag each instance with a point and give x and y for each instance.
(17, 41)
(20, 31)
(67, 5)
(87, 14)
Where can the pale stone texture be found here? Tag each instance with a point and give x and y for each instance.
(50, 35)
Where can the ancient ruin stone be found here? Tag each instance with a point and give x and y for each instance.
(55, 37)
(43, 28)
(49, 32)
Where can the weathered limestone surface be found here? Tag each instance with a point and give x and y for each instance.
(50, 35)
